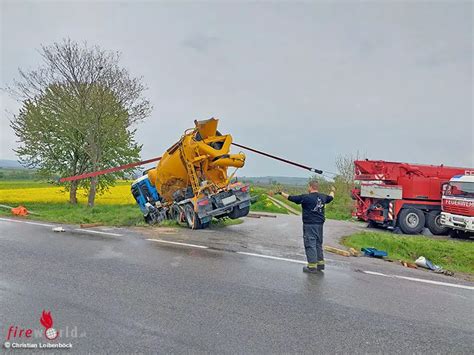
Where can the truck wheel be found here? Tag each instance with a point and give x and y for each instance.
(191, 217)
(175, 214)
(239, 212)
(244, 211)
(454, 233)
(433, 222)
(411, 220)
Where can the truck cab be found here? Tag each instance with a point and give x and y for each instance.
(148, 199)
(458, 205)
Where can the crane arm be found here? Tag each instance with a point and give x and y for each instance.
(132, 165)
(313, 170)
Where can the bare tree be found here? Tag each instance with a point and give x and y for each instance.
(345, 166)
(96, 103)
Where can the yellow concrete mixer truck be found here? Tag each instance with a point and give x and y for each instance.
(191, 183)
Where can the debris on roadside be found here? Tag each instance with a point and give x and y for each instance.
(374, 253)
(354, 252)
(20, 211)
(444, 272)
(58, 229)
(408, 264)
(258, 215)
(252, 216)
(336, 251)
(16, 208)
(428, 264)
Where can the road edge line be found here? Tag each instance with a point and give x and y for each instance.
(97, 232)
(432, 282)
(272, 257)
(179, 243)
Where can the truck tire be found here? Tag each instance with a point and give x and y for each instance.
(238, 212)
(433, 219)
(191, 218)
(411, 220)
(175, 214)
(148, 219)
(454, 233)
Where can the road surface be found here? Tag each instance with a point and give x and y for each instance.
(125, 291)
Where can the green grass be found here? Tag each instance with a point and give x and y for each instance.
(453, 255)
(340, 208)
(223, 222)
(263, 203)
(289, 203)
(115, 215)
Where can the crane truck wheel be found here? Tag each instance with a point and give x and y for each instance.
(411, 220)
(433, 222)
(192, 218)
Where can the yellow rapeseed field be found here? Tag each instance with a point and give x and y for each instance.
(26, 193)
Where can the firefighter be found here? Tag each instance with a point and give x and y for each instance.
(313, 219)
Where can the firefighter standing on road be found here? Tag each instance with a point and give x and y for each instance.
(313, 219)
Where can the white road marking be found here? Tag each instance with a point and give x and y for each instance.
(52, 225)
(39, 224)
(285, 259)
(420, 280)
(27, 222)
(272, 257)
(98, 232)
(11, 220)
(178, 243)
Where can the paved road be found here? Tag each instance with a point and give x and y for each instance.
(281, 236)
(130, 294)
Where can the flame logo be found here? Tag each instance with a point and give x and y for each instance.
(46, 320)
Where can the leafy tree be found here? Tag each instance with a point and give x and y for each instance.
(78, 112)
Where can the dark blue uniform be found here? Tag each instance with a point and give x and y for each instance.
(313, 220)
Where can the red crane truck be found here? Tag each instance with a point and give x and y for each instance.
(401, 196)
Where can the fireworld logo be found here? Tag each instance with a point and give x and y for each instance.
(46, 321)
(30, 338)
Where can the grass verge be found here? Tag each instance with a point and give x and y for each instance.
(339, 208)
(263, 203)
(453, 255)
(113, 215)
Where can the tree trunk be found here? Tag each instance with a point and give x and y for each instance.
(92, 191)
(73, 193)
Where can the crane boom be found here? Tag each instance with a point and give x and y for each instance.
(143, 162)
(108, 171)
(313, 170)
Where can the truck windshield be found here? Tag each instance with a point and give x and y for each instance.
(460, 189)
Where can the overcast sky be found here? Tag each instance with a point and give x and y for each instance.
(307, 81)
